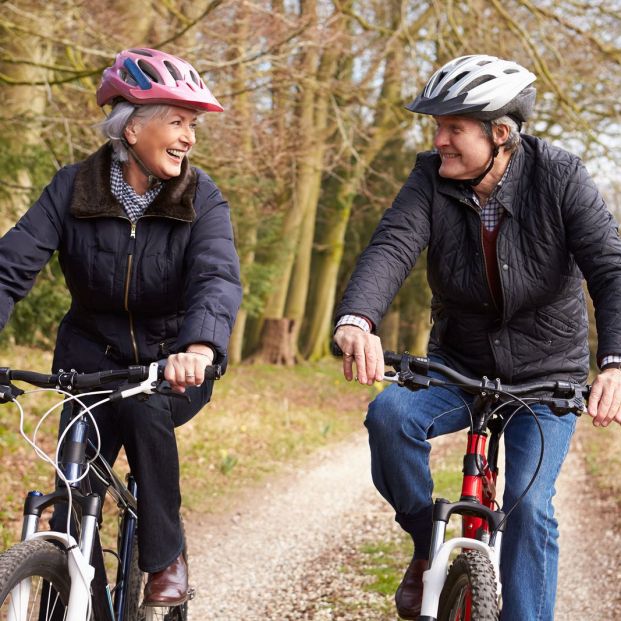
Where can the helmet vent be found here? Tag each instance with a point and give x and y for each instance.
(142, 53)
(149, 70)
(127, 78)
(174, 72)
(195, 78)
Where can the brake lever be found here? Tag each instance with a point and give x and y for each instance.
(163, 388)
(9, 393)
(147, 387)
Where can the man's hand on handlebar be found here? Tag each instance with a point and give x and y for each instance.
(605, 399)
(365, 350)
(188, 368)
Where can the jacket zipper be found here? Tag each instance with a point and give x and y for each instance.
(130, 258)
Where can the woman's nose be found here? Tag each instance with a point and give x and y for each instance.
(189, 136)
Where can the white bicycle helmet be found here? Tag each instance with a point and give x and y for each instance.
(479, 86)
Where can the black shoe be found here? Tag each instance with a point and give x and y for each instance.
(409, 595)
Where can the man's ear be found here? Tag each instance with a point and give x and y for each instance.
(501, 134)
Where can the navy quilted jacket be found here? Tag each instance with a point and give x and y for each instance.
(555, 231)
(138, 292)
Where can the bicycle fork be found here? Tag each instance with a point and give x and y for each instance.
(78, 556)
(482, 528)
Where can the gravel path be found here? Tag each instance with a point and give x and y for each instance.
(278, 555)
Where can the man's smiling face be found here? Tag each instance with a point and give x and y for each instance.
(463, 146)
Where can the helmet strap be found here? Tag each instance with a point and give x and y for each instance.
(152, 179)
(474, 182)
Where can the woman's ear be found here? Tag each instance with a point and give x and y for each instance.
(131, 132)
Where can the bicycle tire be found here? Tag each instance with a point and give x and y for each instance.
(469, 593)
(135, 583)
(135, 587)
(46, 566)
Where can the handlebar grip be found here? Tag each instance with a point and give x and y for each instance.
(391, 358)
(213, 372)
(336, 350)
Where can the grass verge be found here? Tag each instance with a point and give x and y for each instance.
(602, 450)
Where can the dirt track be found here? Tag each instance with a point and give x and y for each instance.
(278, 554)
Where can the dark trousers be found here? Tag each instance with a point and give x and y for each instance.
(146, 430)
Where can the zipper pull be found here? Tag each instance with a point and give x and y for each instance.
(132, 239)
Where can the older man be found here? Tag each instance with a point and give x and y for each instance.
(512, 224)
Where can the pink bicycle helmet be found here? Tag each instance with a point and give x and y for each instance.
(145, 76)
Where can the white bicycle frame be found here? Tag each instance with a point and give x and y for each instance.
(81, 572)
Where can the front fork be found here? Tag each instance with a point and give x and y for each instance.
(440, 550)
(482, 526)
(78, 557)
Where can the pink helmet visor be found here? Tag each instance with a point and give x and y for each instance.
(146, 76)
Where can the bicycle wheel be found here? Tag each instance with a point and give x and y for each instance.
(34, 582)
(469, 593)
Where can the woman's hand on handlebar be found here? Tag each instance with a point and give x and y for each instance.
(363, 348)
(605, 398)
(188, 368)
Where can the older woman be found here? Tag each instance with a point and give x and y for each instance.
(146, 248)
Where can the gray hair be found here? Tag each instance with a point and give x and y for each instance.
(113, 126)
(513, 141)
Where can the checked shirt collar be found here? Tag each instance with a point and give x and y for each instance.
(133, 203)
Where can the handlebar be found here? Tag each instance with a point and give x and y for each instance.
(563, 397)
(73, 381)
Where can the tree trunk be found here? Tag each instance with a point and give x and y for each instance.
(300, 278)
(245, 209)
(277, 345)
(389, 330)
(385, 125)
(23, 107)
(309, 167)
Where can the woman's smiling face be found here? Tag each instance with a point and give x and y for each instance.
(162, 142)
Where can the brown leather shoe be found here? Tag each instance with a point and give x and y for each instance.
(409, 595)
(168, 587)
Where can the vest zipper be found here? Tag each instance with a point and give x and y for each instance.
(130, 258)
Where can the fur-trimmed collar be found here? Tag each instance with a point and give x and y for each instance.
(92, 196)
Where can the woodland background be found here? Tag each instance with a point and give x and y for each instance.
(314, 142)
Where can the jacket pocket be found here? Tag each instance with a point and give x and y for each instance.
(556, 325)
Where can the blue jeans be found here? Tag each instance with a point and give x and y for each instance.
(400, 422)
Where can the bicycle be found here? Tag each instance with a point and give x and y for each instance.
(470, 589)
(52, 575)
